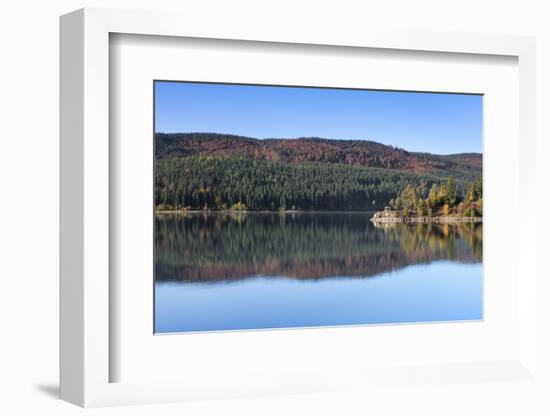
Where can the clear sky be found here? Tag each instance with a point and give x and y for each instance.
(422, 122)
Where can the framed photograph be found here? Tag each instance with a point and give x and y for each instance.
(277, 212)
(284, 228)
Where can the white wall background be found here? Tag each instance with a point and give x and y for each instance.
(29, 204)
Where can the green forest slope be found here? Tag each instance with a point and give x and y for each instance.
(212, 171)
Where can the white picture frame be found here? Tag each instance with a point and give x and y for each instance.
(87, 334)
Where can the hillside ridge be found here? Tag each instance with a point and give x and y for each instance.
(316, 149)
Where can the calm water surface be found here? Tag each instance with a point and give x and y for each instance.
(220, 271)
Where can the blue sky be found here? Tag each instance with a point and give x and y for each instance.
(423, 122)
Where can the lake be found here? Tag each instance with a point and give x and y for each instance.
(219, 271)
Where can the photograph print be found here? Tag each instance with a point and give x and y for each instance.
(296, 207)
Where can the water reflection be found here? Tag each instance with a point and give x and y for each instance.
(213, 247)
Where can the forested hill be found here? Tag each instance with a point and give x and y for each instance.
(365, 153)
(204, 171)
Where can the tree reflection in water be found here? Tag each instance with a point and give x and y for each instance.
(210, 247)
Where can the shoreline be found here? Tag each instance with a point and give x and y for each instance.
(391, 220)
(228, 211)
(374, 218)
